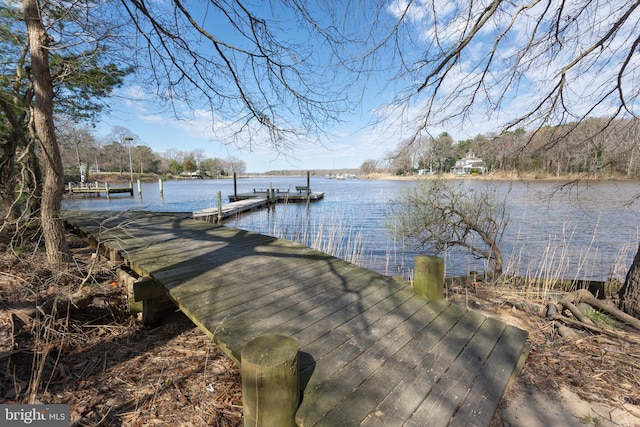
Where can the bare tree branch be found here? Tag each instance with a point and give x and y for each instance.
(238, 58)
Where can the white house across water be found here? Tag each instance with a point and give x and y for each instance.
(469, 164)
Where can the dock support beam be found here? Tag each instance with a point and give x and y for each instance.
(270, 381)
(428, 276)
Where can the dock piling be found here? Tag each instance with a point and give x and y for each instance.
(270, 381)
(139, 188)
(428, 276)
(161, 188)
(235, 185)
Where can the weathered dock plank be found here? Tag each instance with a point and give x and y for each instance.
(233, 208)
(371, 351)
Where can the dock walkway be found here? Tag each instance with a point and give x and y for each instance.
(244, 202)
(281, 196)
(372, 353)
(230, 209)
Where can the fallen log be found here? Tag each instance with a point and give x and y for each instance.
(583, 295)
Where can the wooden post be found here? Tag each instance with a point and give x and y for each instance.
(235, 186)
(308, 183)
(131, 188)
(161, 189)
(428, 276)
(106, 189)
(70, 188)
(219, 206)
(271, 197)
(270, 381)
(139, 188)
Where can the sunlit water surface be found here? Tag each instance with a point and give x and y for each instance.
(589, 231)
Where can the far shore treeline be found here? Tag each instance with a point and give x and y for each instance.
(598, 146)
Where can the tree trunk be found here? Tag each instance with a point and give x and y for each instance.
(8, 180)
(629, 294)
(53, 188)
(7, 166)
(32, 178)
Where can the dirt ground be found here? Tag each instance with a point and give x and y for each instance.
(113, 371)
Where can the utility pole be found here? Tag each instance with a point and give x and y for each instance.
(129, 139)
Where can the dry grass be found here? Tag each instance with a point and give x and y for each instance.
(332, 233)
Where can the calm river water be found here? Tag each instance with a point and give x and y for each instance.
(588, 231)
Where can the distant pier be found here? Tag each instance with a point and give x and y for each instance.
(256, 199)
(96, 189)
(279, 196)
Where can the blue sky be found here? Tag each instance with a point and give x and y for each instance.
(356, 138)
(346, 145)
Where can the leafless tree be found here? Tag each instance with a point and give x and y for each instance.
(239, 62)
(526, 64)
(235, 165)
(369, 166)
(438, 214)
(77, 146)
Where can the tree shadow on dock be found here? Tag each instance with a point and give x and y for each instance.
(363, 336)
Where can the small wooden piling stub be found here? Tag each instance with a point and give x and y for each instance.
(270, 381)
(428, 276)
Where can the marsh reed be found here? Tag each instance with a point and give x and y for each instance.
(541, 264)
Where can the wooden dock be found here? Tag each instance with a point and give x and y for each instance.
(230, 209)
(371, 351)
(280, 196)
(259, 198)
(96, 190)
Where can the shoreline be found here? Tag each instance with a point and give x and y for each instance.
(498, 177)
